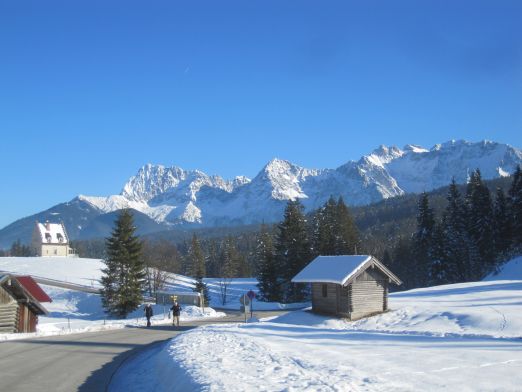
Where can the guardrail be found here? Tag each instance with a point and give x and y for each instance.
(59, 283)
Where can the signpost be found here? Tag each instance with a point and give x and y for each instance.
(251, 295)
(245, 301)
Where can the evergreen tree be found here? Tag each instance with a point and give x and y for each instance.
(401, 261)
(439, 271)
(480, 224)
(423, 241)
(268, 274)
(293, 250)
(502, 223)
(515, 204)
(334, 230)
(213, 259)
(124, 277)
(230, 259)
(19, 250)
(459, 248)
(196, 262)
(347, 235)
(325, 222)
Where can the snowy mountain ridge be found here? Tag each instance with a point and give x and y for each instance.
(172, 195)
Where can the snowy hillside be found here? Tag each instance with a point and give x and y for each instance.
(463, 337)
(512, 270)
(170, 196)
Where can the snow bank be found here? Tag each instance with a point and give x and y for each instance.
(512, 270)
(453, 337)
(74, 311)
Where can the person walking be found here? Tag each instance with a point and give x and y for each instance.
(176, 309)
(148, 313)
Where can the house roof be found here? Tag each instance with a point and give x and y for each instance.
(34, 289)
(17, 290)
(52, 233)
(340, 269)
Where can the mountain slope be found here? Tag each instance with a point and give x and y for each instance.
(171, 196)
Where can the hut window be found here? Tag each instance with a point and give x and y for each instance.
(60, 237)
(48, 237)
(325, 290)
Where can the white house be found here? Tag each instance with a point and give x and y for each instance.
(50, 239)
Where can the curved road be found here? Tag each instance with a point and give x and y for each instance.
(84, 362)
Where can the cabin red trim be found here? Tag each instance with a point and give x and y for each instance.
(33, 288)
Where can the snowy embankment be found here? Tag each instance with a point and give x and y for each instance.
(74, 311)
(462, 337)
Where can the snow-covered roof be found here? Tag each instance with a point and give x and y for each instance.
(52, 233)
(339, 269)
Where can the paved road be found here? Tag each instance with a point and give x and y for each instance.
(84, 362)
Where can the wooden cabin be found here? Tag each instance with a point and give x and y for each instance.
(348, 286)
(20, 303)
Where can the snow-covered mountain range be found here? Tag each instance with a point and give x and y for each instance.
(174, 196)
(171, 196)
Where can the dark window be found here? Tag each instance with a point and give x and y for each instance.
(325, 290)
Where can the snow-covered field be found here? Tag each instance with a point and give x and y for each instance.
(87, 272)
(464, 337)
(74, 311)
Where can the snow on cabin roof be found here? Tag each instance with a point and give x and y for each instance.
(338, 269)
(52, 233)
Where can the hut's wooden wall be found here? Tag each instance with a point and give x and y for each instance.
(328, 304)
(368, 294)
(5, 298)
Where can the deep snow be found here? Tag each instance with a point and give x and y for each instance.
(462, 337)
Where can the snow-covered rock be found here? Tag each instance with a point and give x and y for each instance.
(173, 196)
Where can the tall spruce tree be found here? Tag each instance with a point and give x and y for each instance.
(124, 276)
(439, 273)
(196, 262)
(502, 223)
(515, 204)
(347, 235)
(230, 259)
(480, 223)
(423, 240)
(325, 235)
(459, 249)
(268, 273)
(334, 230)
(293, 250)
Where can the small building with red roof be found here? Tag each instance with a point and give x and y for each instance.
(20, 303)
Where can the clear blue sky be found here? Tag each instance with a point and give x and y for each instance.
(92, 90)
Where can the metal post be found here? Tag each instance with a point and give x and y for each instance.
(69, 323)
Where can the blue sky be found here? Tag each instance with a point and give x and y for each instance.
(92, 90)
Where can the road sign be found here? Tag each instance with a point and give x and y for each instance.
(244, 300)
(251, 295)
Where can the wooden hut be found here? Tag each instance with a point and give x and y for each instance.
(20, 303)
(348, 286)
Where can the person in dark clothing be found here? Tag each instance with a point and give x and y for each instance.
(176, 309)
(148, 313)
